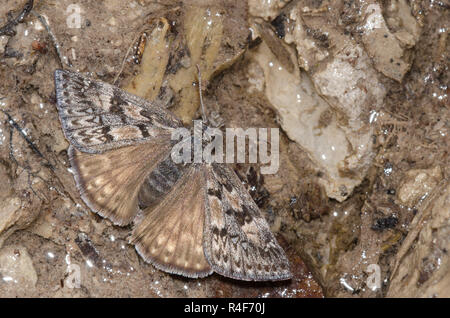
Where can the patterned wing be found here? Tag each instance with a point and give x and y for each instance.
(97, 116)
(109, 183)
(170, 235)
(237, 239)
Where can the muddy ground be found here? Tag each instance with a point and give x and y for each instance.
(370, 220)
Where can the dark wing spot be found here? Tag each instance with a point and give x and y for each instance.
(215, 232)
(116, 109)
(145, 113)
(247, 217)
(106, 135)
(223, 232)
(215, 192)
(80, 94)
(86, 102)
(224, 183)
(223, 235)
(227, 186)
(144, 131)
(117, 99)
(240, 218)
(262, 252)
(93, 85)
(78, 81)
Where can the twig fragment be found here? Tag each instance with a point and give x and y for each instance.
(53, 39)
(7, 29)
(14, 124)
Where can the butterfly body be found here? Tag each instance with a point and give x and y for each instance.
(190, 219)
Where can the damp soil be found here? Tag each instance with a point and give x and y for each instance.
(48, 235)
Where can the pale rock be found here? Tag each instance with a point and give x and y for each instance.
(21, 43)
(405, 38)
(328, 112)
(352, 88)
(255, 78)
(10, 213)
(13, 215)
(418, 184)
(16, 267)
(402, 23)
(5, 185)
(134, 13)
(350, 84)
(266, 9)
(3, 41)
(112, 21)
(384, 47)
(305, 117)
(309, 54)
(423, 270)
(42, 228)
(35, 98)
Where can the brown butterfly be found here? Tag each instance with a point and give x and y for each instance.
(189, 219)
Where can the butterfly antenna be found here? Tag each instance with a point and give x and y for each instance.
(205, 119)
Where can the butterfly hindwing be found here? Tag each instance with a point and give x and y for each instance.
(97, 116)
(237, 240)
(170, 236)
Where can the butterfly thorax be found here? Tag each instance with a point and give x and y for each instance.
(161, 180)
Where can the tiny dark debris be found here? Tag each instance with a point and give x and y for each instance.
(254, 43)
(310, 204)
(87, 249)
(278, 24)
(385, 223)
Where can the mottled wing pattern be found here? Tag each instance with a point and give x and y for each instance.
(189, 219)
(170, 236)
(97, 116)
(109, 183)
(237, 240)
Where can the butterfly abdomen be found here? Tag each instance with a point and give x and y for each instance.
(159, 182)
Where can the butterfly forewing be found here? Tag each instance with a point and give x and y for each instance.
(109, 183)
(237, 240)
(97, 117)
(130, 135)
